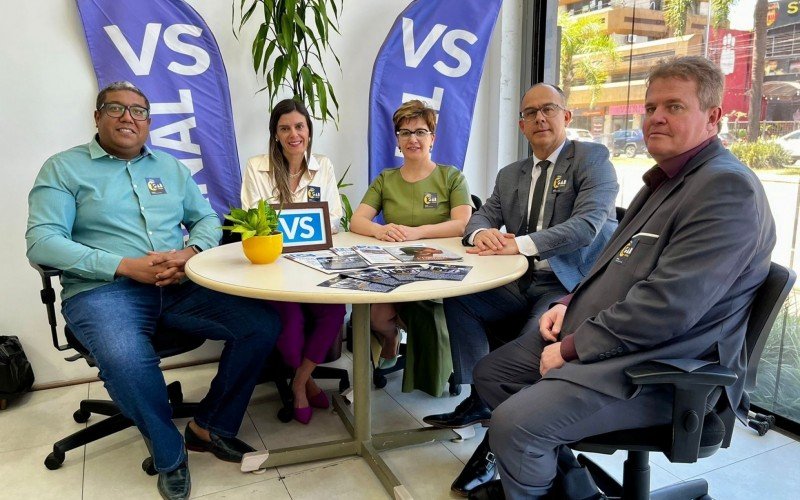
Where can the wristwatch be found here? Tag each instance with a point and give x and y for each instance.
(196, 248)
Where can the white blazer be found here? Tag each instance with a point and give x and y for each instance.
(257, 185)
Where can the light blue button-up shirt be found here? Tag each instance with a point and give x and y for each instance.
(88, 209)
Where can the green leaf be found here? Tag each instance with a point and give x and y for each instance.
(258, 46)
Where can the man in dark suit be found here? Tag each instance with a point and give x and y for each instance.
(557, 208)
(676, 280)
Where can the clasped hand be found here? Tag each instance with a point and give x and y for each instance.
(156, 268)
(397, 232)
(549, 328)
(494, 242)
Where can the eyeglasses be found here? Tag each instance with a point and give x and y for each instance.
(114, 110)
(548, 110)
(420, 133)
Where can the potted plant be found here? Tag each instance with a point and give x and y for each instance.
(288, 48)
(261, 241)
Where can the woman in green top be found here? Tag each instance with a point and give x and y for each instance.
(420, 199)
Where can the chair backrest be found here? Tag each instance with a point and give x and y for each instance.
(768, 302)
(621, 213)
(476, 203)
(167, 343)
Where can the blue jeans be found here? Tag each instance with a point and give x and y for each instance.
(115, 323)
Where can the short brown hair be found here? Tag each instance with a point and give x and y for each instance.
(415, 109)
(704, 73)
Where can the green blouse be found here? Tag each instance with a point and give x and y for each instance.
(427, 201)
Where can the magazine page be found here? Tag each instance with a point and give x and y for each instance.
(444, 272)
(421, 253)
(405, 273)
(354, 284)
(310, 259)
(343, 262)
(373, 275)
(375, 254)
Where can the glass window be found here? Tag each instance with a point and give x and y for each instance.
(607, 48)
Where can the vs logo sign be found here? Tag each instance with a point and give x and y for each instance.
(305, 226)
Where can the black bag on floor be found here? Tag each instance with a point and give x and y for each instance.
(16, 374)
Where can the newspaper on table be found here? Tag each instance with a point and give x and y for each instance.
(410, 253)
(448, 272)
(406, 273)
(374, 275)
(356, 284)
(329, 261)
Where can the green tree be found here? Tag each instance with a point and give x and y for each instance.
(585, 36)
(676, 13)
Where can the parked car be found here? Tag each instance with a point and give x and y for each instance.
(579, 134)
(791, 143)
(630, 142)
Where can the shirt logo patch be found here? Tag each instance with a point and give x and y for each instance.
(559, 184)
(430, 200)
(155, 186)
(624, 254)
(314, 193)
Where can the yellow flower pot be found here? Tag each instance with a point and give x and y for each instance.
(263, 249)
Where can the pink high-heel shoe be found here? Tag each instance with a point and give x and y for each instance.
(303, 415)
(319, 400)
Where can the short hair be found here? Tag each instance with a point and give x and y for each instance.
(415, 109)
(554, 87)
(121, 85)
(701, 71)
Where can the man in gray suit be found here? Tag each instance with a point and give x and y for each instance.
(557, 208)
(676, 280)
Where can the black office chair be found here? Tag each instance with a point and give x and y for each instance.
(693, 434)
(620, 211)
(167, 343)
(278, 372)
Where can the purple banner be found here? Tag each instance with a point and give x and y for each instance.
(166, 49)
(434, 52)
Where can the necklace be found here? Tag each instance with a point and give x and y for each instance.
(296, 175)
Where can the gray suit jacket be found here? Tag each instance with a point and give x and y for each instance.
(579, 216)
(697, 250)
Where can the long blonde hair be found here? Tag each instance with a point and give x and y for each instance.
(279, 165)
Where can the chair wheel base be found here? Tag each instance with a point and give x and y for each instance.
(81, 416)
(285, 415)
(149, 467)
(54, 460)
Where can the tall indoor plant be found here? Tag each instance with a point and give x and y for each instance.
(297, 33)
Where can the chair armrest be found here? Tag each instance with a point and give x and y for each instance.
(46, 271)
(658, 372)
(693, 382)
(48, 297)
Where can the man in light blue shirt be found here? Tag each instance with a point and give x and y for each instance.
(111, 215)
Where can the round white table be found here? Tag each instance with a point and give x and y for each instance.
(225, 269)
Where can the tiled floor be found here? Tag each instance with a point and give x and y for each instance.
(754, 467)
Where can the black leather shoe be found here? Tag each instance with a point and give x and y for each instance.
(228, 449)
(469, 412)
(481, 468)
(492, 490)
(175, 484)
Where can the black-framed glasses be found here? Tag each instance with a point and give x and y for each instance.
(420, 133)
(549, 110)
(114, 110)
